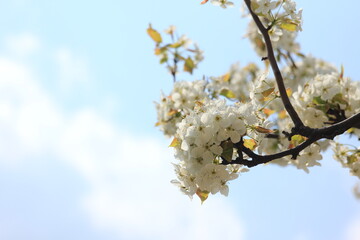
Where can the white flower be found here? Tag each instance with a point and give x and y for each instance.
(222, 3)
(201, 134)
(275, 34)
(265, 6)
(309, 157)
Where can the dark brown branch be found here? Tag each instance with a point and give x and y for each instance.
(279, 79)
(314, 135)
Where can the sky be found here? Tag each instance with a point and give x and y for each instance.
(80, 157)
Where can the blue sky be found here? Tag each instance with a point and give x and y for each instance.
(80, 158)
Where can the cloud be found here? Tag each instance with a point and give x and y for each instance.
(131, 192)
(353, 230)
(23, 44)
(28, 119)
(129, 174)
(72, 69)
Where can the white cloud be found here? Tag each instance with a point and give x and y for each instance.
(72, 68)
(353, 230)
(132, 195)
(23, 44)
(129, 175)
(28, 119)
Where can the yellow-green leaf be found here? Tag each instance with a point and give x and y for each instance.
(176, 45)
(155, 35)
(189, 65)
(226, 77)
(267, 92)
(298, 138)
(174, 143)
(227, 93)
(289, 92)
(352, 159)
(339, 98)
(250, 144)
(158, 124)
(350, 131)
(290, 26)
(203, 195)
(318, 101)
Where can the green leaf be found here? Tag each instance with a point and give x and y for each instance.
(339, 98)
(227, 93)
(155, 35)
(164, 59)
(189, 65)
(228, 150)
(318, 101)
(297, 139)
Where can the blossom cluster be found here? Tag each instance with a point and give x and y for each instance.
(279, 15)
(235, 83)
(349, 158)
(213, 120)
(181, 101)
(285, 41)
(205, 139)
(327, 99)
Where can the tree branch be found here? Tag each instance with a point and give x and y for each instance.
(316, 134)
(279, 79)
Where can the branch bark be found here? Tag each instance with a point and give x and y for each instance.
(316, 134)
(274, 66)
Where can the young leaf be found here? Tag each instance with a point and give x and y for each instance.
(289, 25)
(155, 35)
(339, 98)
(228, 149)
(318, 101)
(266, 93)
(282, 114)
(268, 112)
(289, 92)
(263, 130)
(172, 112)
(342, 71)
(176, 45)
(174, 143)
(226, 77)
(203, 195)
(250, 144)
(227, 93)
(158, 124)
(189, 65)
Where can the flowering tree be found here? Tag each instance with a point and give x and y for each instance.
(223, 126)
